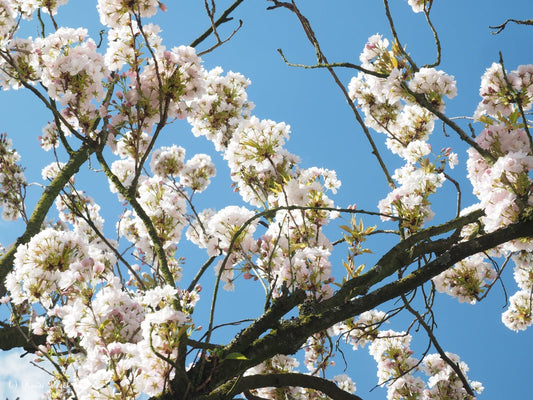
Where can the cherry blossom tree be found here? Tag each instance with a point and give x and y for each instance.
(111, 304)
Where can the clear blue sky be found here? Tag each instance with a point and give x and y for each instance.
(325, 134)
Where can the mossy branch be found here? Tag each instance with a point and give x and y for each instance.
(19, 337)
(400, 255)
(292, 334)
(34, 225)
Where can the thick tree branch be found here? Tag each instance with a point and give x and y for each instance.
(400, 255)
(18, 336)
(269, 320)
(246, 383)
(266, 214)
(290, 336)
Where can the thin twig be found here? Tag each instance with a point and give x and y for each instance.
(458, 189)
(501, 27)
(435, 37)
(518, 100)
(396, 38)
(220, 43)
(202, 270)
(222, 19)
(321, 59)
(333, 65)
(436, 344)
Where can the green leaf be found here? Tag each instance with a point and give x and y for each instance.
(235, 356)
(346, 228)
(358, 271)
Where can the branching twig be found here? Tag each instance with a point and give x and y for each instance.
(222, 19)
(438, 347)
(422, 101)
(435, 37)
(333, 65)
(396, 37)
(156, 241)
(518, 100)
(221, 42)
(321, 59)
(87, 218)
(501, 27)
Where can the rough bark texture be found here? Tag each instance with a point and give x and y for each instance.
(217, 378)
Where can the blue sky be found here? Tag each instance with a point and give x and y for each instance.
(325, 134)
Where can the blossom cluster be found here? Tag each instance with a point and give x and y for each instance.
(500, 176)
(499, 170)
(387, 99)
(109, 331)
(410, 200)
(166, 86)
(12, 10)
(287, 364)
(397, 368)
(73, 71)
(118, 13)
(503, 183)
(467, 280)
(502, 90)
(65, 278)
(221, 110)
(518, 315)
(293, 252)
(113, 336)
(126, 48)
(69, 66)
(418, 5)
(362, 331)
(12, 180)
(68, 267)
(8, 20)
